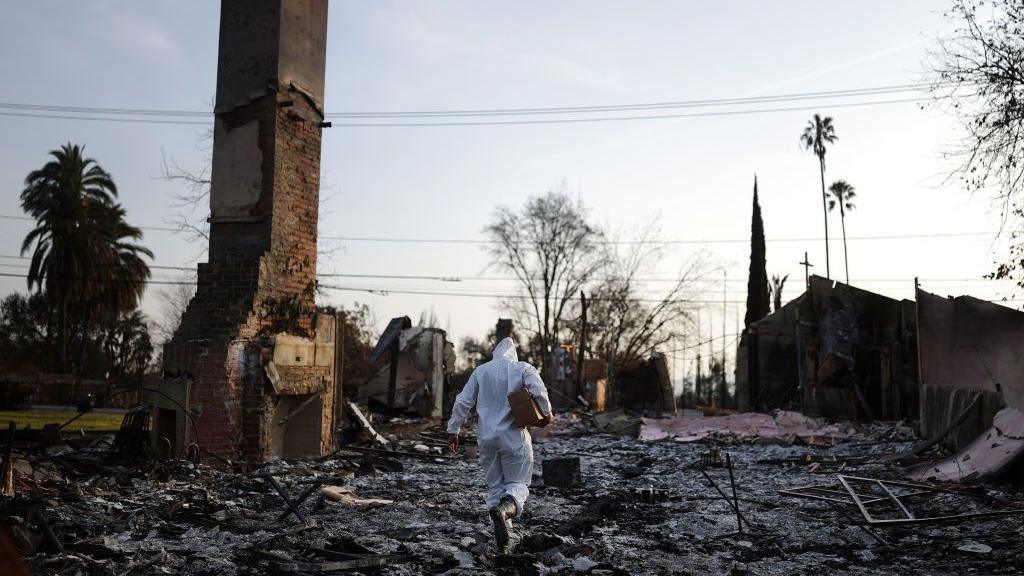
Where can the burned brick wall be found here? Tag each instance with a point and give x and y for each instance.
(260, 281)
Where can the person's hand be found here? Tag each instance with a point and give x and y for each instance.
(453, 443)
(546, 421)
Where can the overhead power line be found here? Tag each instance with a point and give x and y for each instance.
(734, 336)
(878, 90)
(483, 241)
(456, 278)
(106, 119)
(475, 112)
(413, 240)
(744, 112)
(389, 291)
(112, 280)
(386, 292)
(485, 117)
(585, 120)
(151, 228)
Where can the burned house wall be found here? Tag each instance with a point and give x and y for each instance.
(858, 364)
(836, 351)
(647, 386)
(424, 359)
(261, 276)
(767, 371)
(967, 347)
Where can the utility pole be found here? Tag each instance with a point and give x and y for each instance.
(697, 383)
(807, 271)
(736, 358)
(583, 343)
(725, 314)
(711, 362)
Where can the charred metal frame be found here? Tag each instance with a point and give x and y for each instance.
(851, 497)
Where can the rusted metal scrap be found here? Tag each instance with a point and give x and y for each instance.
(133, 437)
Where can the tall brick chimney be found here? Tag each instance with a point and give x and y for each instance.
(258, 360)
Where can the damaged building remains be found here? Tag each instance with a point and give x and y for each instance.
(253, 359)
(864, 434)
(413, 365)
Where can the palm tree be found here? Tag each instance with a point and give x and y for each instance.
(82, 254)
(842, 196)
(126, 344)
(117, 291)
(125, 262)
(818, 133)
(776, 290)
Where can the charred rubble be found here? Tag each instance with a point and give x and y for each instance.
(251, 456)
(742, 494)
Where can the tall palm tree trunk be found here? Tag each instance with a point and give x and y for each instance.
(846, 257)
(824, 208)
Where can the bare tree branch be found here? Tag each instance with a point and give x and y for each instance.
(552, 251)
(977, 75)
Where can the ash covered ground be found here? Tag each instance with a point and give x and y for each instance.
(120, 518)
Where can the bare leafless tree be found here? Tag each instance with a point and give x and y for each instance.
(190, 203)
(626, 324)
(977, 74)
(552, 250)
(190, 206)
(173, 301)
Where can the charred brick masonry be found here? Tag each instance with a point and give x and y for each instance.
(260, 280)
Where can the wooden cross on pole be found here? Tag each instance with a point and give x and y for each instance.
(807, 270)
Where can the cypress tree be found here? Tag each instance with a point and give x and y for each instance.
(757, 280)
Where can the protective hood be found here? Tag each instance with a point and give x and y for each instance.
(488, 388)
(506, 350)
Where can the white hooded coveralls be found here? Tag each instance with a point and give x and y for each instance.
(506, 451)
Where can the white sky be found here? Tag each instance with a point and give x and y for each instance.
(695, 174)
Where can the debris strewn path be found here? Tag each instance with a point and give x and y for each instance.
(643, 508)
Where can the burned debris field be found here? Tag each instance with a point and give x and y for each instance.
(617, 505)
(303, 288)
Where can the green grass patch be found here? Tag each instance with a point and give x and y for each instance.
(38, 418)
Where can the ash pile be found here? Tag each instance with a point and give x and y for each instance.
(612, 494)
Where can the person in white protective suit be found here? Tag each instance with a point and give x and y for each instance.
(506, 451)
